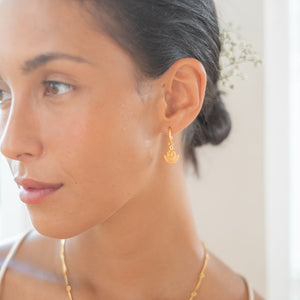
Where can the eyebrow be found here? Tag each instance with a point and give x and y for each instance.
(42, 59)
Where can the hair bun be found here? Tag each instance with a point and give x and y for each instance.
(213, 124)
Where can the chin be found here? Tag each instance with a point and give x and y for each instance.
(57, 230)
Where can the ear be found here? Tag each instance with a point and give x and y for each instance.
(184, 91)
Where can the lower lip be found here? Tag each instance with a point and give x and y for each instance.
(36, 196)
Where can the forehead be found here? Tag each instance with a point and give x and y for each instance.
(37, 26)
(39, 18)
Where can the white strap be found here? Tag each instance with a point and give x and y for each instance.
(249, 289)
(10, 255)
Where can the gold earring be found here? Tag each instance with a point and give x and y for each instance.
(171, 157)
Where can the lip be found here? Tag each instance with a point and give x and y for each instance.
(35, 192)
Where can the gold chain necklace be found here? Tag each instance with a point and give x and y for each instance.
(68, 286)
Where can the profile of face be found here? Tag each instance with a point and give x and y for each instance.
(71, 114)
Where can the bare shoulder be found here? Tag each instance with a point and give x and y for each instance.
(221, 282)
(6, 245)
(32, 269)
(258, 297)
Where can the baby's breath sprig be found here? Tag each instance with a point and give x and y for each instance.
(235, 51)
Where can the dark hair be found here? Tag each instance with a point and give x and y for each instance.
(156, 33)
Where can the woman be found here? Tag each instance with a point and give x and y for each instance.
(98, 99)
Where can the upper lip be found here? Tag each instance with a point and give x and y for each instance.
(27, 183)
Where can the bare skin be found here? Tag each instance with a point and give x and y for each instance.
(220, 281)
(124, 212)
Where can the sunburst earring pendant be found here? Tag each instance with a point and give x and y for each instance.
(171, 157)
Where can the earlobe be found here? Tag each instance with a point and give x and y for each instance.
(185, 85)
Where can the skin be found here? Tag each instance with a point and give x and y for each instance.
(124, 211)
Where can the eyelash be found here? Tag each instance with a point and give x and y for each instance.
(45, 84)
(57, 83)
(1, 93)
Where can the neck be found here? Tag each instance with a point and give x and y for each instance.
(148, 249)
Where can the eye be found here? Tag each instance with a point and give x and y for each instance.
(54, 88)
(4, 96)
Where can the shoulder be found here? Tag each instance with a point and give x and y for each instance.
(7, 245)
(224, 283)
(30, 268)
(8, 248)
(28, 247)
(258, 297)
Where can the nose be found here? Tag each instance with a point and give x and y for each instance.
(20, 139)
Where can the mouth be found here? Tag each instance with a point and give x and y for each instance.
(34, 192)
(27, 184)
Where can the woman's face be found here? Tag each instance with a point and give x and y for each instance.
(89, 130)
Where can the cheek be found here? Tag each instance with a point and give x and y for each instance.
(112, 153)
(104, 155)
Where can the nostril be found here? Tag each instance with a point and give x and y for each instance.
(20, 139)
(24, 154)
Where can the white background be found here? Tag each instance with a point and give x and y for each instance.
(295, 149)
